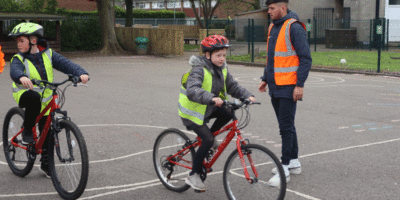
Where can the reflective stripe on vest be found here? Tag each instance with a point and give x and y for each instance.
(286, 61)
(194, 111)
(32, 73)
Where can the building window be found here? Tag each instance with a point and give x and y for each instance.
(147, 6)
(141, 5)
(186, 4)
(172, 4)
(394, 2)
(161, 5)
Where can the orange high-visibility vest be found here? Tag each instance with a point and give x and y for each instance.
(286, 61)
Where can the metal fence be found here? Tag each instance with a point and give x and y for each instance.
(371, 45)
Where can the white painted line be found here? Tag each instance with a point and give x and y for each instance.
(121, 157)
(124, 190)
(347, 148)
(150, 183)
(26, 195)
(302, 195)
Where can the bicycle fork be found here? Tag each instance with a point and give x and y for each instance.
(69, 145)
(242, 152)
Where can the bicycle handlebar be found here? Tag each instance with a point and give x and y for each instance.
(244, 102)
(74, 79)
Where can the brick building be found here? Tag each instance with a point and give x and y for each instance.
(82, 5)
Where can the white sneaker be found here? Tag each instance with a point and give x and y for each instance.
(195, 182)
(294, 167)
(215, 145)
(275, 181)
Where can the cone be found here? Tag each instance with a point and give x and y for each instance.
(2, 62)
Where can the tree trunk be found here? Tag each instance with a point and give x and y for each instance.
(129, 14)
(201, 26)
(106, 17)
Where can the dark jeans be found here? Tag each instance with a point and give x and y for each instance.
(285, 110)
(223, 117)
(31, 101)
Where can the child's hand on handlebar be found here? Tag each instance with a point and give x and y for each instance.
(26, 82)
(84, 78)
(252, 99)
(218, 101)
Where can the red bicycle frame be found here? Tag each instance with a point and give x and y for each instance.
(208, 164)
(39, 143)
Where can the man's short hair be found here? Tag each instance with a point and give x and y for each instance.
(269, 2)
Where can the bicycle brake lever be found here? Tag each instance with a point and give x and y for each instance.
(81, 84)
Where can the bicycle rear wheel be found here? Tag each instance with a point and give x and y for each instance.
(237, 187)
(68, 159)
(168, 143)
(18, 159)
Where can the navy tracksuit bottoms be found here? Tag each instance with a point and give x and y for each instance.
(285, 110)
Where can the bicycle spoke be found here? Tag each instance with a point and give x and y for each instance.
(17, 158)
(70, 161)
(236, 184)
(169, 143)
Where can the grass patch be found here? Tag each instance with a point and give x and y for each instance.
(247, 58)
(188, 47)
(356, 60)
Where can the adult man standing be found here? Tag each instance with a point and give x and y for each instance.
(288, 64)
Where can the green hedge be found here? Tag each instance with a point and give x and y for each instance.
(80, 35)
(121, 13)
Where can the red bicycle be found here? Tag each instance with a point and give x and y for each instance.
(68, 157)
(247, 169)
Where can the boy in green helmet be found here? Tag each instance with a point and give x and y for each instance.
(36, 60)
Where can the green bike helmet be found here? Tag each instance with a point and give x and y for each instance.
(27, 29)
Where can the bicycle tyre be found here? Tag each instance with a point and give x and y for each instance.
(73, 188)
(12, 125)
(237, 187)
(160, 151)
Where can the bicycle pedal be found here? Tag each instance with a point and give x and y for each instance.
(199, 191)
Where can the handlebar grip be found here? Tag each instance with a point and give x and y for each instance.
(35, 82)
(76, 79)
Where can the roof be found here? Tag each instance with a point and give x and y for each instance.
(31, 16)
(253, 11)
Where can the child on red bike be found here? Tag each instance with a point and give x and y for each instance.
(207, 83)
(36, 61)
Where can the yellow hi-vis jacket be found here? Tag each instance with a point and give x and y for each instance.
(194, 111)
(32, 73)
(286, 61)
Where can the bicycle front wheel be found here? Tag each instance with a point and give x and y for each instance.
(69, 162)
(168, 143)
(18, 159)
(263, 161)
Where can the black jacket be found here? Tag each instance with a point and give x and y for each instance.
(299, 41)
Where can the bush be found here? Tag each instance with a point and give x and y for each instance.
(121, 13)
(81, 34)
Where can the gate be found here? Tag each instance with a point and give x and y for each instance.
(323, 19)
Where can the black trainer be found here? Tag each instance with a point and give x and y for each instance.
(44, 167)
(27, 137)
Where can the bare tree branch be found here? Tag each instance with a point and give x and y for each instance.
(196, 14)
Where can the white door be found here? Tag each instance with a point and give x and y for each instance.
(392, 12)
